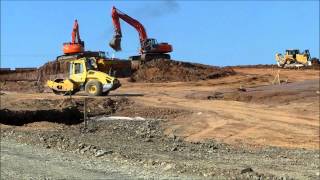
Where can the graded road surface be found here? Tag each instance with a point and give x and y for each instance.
(284, 115)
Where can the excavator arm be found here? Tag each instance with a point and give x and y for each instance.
(75, 33)
(115, 43)
(76, 45)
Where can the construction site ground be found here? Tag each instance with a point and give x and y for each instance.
(237, 126)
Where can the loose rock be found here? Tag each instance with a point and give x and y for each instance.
(100, 153)
(246, 170)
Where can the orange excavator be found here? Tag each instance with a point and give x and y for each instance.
(76, 45)
(150, 48)
(75, 50)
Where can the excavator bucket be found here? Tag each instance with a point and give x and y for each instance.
(115, 43)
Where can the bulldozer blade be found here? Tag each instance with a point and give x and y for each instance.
(115, 43)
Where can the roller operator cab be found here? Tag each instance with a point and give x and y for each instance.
(83, 75)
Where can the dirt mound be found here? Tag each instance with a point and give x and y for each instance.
(53, 69)
(45, 72)
(162, 70)
(32, 79)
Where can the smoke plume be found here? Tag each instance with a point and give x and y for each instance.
(157, 8)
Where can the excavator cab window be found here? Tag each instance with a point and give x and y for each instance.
(153, 42)
(150, 44)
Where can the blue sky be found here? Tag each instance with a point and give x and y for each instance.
(210, 32)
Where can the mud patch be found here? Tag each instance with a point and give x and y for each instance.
(163, 70)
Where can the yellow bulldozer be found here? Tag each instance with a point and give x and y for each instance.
(84, 74)
(293, 58)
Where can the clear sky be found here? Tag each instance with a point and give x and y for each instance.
(211, 32)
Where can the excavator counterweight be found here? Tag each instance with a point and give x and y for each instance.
(76, 45)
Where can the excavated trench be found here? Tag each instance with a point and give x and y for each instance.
(69, 116)
(67, 111)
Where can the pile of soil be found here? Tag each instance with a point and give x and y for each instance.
(53, 69)
(164, 70)
(47, 71)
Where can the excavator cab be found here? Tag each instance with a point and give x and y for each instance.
(150, 44)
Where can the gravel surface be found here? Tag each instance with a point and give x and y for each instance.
(22, 161)
(142, 144)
